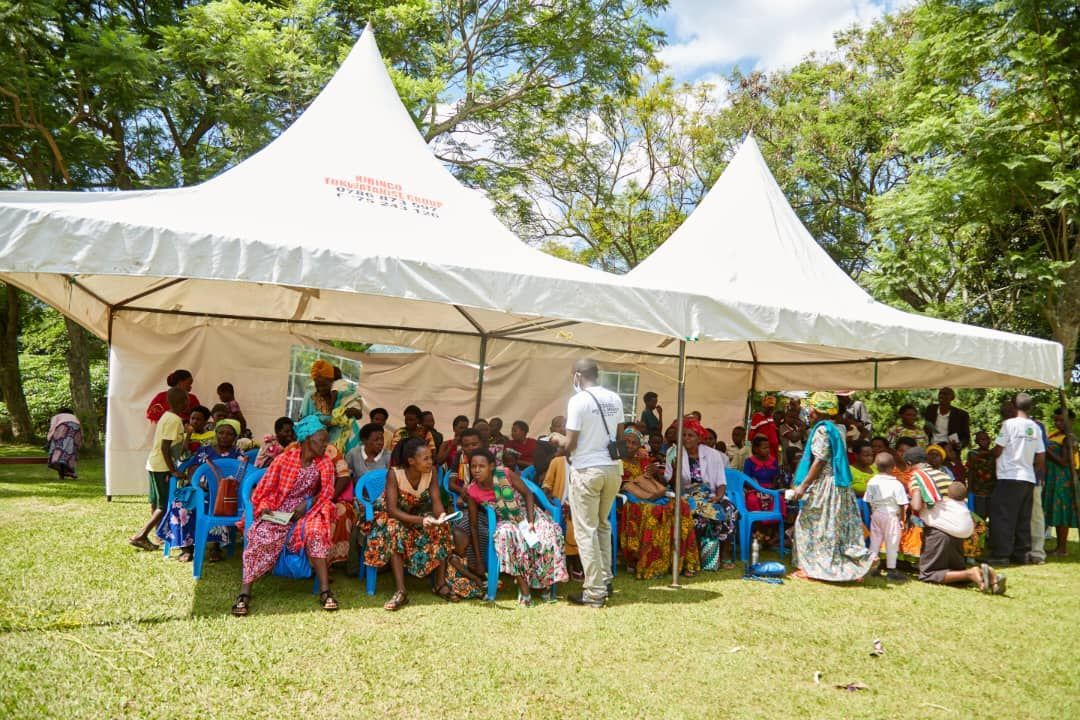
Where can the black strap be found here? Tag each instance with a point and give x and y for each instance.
(602, 418)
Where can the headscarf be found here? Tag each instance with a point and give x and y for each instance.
(636, 433)
(944, 455)
(837, 451)
(234, 424)
(825, 403)
(698, 428)
(322, 369)
(307, 426)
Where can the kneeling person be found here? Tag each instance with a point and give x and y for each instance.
(948, 523)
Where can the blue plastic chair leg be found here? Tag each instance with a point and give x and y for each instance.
(613, 519)
(201, 531)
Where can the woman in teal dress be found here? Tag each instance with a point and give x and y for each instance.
(337, 405)
(1059, 504)
(828, 531)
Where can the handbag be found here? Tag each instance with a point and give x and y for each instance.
(710, 554)
(644, 487)
(227, 498)
(293, 564)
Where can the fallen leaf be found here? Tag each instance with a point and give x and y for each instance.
(878, 650)
(852, 687)
(737, 648)
(817, 677)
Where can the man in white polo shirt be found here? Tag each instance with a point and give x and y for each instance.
(593, 417)
(1020, 453)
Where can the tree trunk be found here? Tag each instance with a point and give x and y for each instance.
(10, 375)
(82, 397)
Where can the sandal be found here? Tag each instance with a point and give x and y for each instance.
(447, 593)
(524, 601)
(396, 602)
(214, 555)
(240, 607)
(185, 556)
(142, 544)
(999, 586)
(327, 600)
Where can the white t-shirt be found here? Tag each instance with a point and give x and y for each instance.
(885, 492)
(1021, 439)
(941, 427)
(583, 415)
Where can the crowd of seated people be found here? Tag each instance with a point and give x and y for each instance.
(915, 480)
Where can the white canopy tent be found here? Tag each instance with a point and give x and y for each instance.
(812, 326)
(347, 227)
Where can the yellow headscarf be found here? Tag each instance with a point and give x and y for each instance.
(825, 403)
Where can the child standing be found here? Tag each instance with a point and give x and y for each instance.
(886, 496)
(653, 414)
(227, 395)
(982, 473)
(162, 462)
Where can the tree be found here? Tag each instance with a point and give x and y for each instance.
(991, 99)
(10, 377)
(826, 127)
(82, 397)
(606, 184)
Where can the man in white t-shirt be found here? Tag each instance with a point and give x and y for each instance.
(1020, 453)
(593, 417)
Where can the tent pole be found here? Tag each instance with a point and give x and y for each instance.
(753, 385)
(681, 406)
(480, 377)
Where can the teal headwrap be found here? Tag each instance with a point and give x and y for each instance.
(308, 426)
(838, 451)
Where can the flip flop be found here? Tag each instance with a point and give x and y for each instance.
(142, 544)
(999, 585)
(987, 577)
(242, 604)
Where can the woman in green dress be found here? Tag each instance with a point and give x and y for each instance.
(1058, 498)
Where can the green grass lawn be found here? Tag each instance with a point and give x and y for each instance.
(90, 627)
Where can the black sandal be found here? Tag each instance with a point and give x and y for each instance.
(396, 602)
(447, 593)
(328, 601)
(240, 607)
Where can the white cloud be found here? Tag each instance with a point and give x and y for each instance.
(711, 34)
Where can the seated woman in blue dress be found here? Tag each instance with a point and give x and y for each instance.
(178, 526)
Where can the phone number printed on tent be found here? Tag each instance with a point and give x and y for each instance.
(382, 193)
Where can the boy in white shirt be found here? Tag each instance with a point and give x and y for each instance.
(887, 497)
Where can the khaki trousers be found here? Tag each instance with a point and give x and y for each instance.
(592, 491)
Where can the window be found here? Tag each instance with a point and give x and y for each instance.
(300, 374)
(625, 385)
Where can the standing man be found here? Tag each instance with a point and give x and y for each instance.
(1020, 453)
(593, 417)
(945, 424)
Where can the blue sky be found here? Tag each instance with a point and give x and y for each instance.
(706, 38)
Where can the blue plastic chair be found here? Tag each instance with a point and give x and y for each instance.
(369, 488)
(736, 492)
(529, 476)
(247, 488)
(492, 559)
(252, 454)
(204, 517)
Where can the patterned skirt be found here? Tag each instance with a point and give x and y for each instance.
(422, 548)
(646, 531)
(344, 522)
(542, 564)
(829, 535)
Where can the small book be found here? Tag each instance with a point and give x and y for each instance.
(278, 517)
(528, 534)
(445, 518)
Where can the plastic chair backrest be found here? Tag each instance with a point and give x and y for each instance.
(371, 485)
(226, 467)
(529, 473)
(540, 496)
(252, 454)
(247, 489)
(736, 488)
